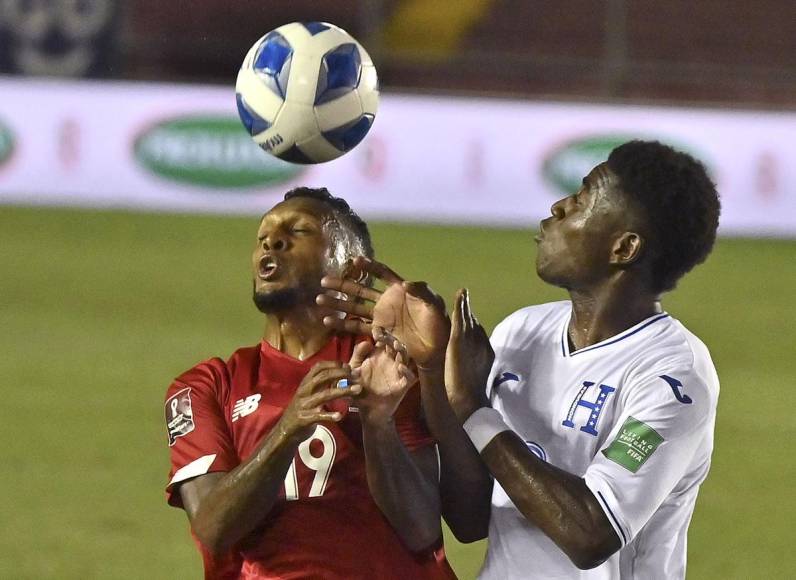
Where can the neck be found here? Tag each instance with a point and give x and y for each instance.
(606, 310)
(298, 332)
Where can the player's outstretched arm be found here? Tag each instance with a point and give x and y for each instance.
(225, 507)
(465, 480)
(557, 502)
(416, 316)
(403, 483)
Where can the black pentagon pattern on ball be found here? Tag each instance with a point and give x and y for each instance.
(272, 62)
(315, 27)
(347, 136)
(339, 74)
(253, 122)
(295, 155)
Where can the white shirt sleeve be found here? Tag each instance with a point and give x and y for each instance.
(663, 423)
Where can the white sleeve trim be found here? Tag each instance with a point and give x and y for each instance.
(193, 469)
(483, 425)
(612, 513)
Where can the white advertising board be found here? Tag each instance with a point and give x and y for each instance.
(427, 159)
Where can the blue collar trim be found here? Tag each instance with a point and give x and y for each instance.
(565, 350)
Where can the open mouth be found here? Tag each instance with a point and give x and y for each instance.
(268, 268)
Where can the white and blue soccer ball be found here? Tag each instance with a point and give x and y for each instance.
(307, 92)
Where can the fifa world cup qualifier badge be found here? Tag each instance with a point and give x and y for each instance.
(179, 415)
(635, 443)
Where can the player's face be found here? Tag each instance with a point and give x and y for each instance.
(574, 244)
(290, 256)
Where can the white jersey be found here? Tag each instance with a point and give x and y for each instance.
(633, 415)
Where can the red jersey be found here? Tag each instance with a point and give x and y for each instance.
(325, 523)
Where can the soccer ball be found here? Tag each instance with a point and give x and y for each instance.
(307, 92)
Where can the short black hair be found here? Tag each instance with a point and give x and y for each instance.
(680, 205)
(341, 210)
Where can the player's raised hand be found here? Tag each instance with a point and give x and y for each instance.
(383, 372)
(317, 389)
(411, 311)
(356, 299)
(468, 360)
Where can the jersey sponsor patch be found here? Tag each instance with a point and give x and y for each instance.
(245, 406)
(179, 415)
(635, 443)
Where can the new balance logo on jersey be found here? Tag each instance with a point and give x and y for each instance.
(245, 406)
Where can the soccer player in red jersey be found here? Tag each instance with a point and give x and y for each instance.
(284, 473)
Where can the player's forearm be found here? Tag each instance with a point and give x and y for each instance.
(557, 502)
(407, 496)
(240, 500)
(465, 482)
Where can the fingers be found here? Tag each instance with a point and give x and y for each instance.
(351, 272)
(458, 320)
(422, 291)
(465, 327)
(311, 418)
(348, 325)
(322, 374)
(463, 312)
(359, 309)
(353, 289)
(361, 352)
(399, 353)
(464, 322)
(472, 320)
(316, 400)
(381, 271)
(379, 335)
(310, 397)
(408, 377)
(396, 350)
(466, 313)
(387, 340)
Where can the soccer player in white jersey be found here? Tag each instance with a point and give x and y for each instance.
(596, 417)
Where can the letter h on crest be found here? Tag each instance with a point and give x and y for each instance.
(595, 407)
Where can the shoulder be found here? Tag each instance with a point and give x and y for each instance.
(676, 349)
(675, 378)
(204, 374)
(213, 374)
(244, 358)
(532, 321)
(701, 363)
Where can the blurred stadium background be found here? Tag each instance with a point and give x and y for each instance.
(117, 276)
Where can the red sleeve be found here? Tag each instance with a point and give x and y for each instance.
(198, 437)
(409, 422)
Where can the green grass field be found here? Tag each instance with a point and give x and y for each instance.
(100, 310)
